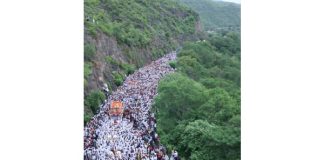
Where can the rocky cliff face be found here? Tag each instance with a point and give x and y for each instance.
(105, 46)
(108, 46)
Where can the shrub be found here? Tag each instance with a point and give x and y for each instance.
(111, 60)
(128, 68)
(106, 28)
(92, 30)
(118, 81)
(86, 118)
(89, 51)
(118, 78)
(94, 99)
(87, 70)
(173, 64)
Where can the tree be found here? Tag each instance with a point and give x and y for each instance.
(201, 140)
(178, 99)
(191, 67)
(199, 106)
(219, 108)
(94, 99)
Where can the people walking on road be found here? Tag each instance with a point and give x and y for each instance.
(132, 135)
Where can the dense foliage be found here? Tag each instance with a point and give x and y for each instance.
(198, 107)
(217, 15)
(138, 22)
(94, 100)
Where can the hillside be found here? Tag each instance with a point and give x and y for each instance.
(123, 35)
(183, 104)
(203, 121)
(216, 15)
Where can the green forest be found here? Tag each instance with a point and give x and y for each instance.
(217, 15)
(137, 22)
(198, 107)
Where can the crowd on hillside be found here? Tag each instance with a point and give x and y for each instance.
(133, 134)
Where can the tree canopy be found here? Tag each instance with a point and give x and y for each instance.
(198, 107)
(217, 15)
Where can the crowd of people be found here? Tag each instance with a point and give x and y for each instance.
(131, 135)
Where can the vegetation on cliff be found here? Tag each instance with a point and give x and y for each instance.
(138, 22)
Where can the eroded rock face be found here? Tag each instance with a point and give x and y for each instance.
(105, 46)
(108, 46)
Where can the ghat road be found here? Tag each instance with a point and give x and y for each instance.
(133, 135)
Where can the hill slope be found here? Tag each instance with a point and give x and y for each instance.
(122, 35)
(216, 15)
(198, 106)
